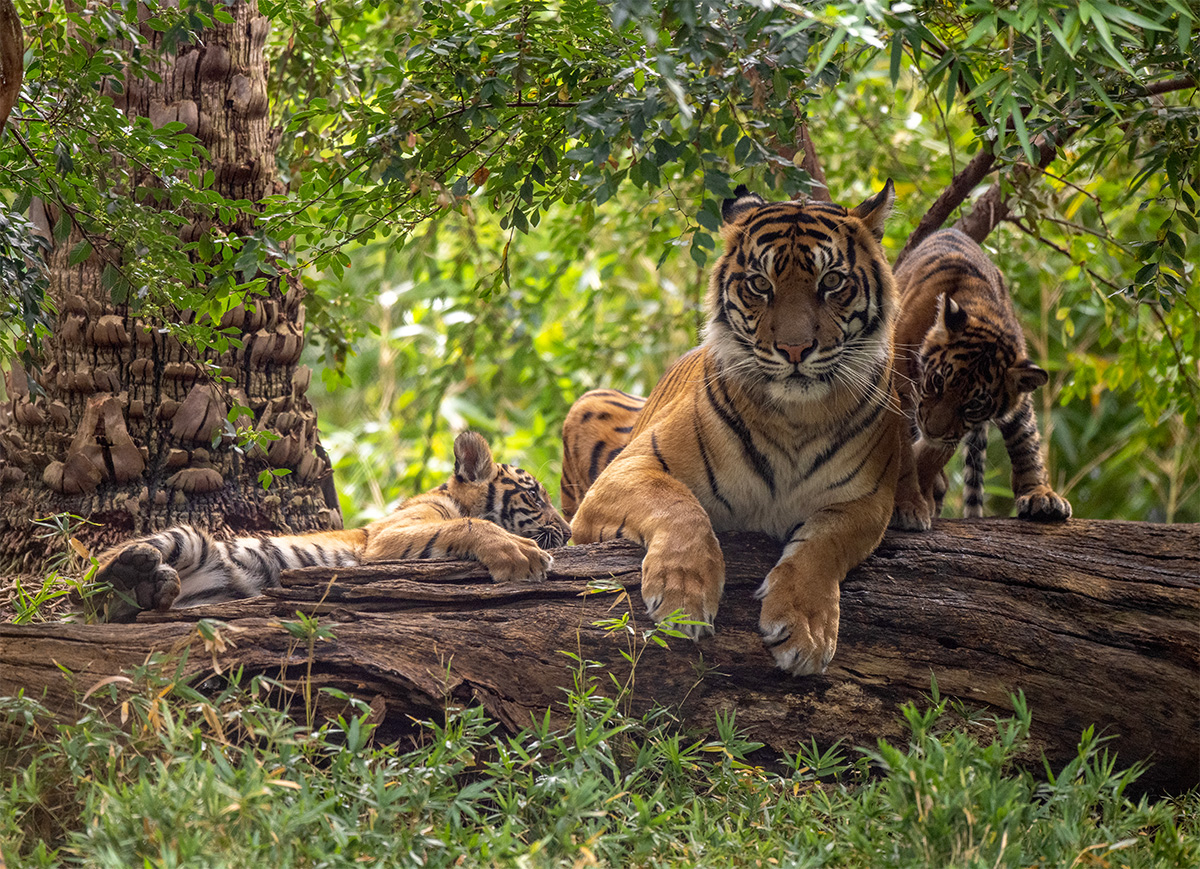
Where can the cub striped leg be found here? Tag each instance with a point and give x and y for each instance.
(976, 446)
(912, 511)
(185, 566)
(505, 555)
(1036, 500)
(930, 458)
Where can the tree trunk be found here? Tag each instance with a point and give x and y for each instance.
(125, 425)
(12, 59)
(1095, 621)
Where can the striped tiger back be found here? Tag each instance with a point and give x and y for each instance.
(963, 361)
(495, 513)
(784, 420)
(598, 426)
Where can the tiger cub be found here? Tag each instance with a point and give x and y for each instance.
(784, 421)
(493, 513)
(962, 355)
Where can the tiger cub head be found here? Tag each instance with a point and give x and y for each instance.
(971, 370)
(802, 302)
(506, 495)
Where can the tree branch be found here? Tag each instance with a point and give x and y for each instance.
(953, 196)
(991, 207)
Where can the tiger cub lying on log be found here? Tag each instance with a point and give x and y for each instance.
(784, 421)
(493, 513)
(962, 357)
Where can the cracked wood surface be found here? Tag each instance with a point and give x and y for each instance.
(1097, 622)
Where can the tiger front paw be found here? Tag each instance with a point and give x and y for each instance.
(511, 558)
(1043, 504)
(799, 620)
(139, 581)
(685, 575)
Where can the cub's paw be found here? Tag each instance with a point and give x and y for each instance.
(912, 515)
(513, 558)
(799, 622)
(140, 581)
(690, 578)
(1043, 504)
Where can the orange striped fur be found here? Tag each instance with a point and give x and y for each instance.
(494, 513)
(962, 357)
(783, 421)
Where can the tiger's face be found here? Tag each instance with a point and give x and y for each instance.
(968, 375)
(509, 496)
(803, 301)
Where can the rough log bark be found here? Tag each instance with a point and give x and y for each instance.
(1097, 622)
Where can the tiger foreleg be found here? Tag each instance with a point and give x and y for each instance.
(506, 556)
(1036, 500)
(912, 510)
(683, 572)
(802, 594)
(919, 492)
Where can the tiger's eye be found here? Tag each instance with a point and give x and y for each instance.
(760, 284)
(832, 280)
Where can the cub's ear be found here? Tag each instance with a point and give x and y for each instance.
(1026, 377)
(874, 211)
(953, 317)
(744, 200)
(472, 458)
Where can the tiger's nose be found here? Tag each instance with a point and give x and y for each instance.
(796, 352)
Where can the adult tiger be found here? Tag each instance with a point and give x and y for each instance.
(962, 355)
(494, 513)
(784, 420)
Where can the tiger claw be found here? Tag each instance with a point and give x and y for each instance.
(1043, 506)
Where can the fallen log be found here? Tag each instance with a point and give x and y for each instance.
(1097, 622)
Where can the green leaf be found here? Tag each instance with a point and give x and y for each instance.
(1018, 119)
(897, 57)
(1106, 37)
(831, 45)
(62, 228)
(79, 253)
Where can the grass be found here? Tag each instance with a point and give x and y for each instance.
(156, 773)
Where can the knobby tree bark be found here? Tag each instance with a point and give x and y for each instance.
(123, 424)
(1096, 622)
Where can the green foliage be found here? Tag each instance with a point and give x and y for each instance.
(155, 773)
(23, 321)
(486, 202)
(114, 186)
(71, 581)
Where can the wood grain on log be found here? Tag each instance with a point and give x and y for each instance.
(1097, 622)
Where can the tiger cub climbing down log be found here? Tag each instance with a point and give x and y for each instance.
(961, 354)
(493, 513)
(784, 421)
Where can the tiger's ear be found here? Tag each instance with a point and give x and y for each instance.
(1026, 377)
(874, 211)
(472, 458)
(948, 319)
(744, 201)
(952, 316)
